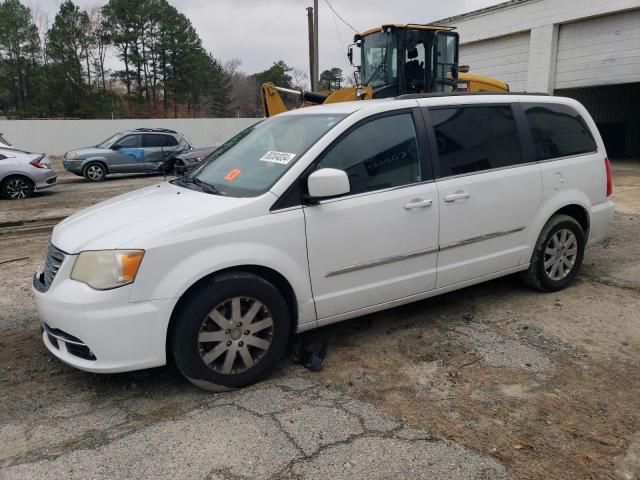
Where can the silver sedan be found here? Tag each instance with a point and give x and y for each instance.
(22, 173)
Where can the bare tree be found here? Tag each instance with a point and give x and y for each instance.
(299, 79)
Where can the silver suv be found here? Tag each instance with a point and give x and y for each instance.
(131, 151)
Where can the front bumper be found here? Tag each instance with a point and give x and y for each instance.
(100, 331)
(73, 166)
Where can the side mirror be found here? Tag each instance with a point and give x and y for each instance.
(350, 55)
(328, 182)
(116, 147)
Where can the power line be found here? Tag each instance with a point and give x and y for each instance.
(339, 38)
(239, 16)
(265, 25)
(338, 15)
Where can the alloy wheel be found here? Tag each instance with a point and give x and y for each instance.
(18, 188)
(94, 172)
(560, 254)
(235, 335)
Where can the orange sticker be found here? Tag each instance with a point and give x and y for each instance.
(232, 174)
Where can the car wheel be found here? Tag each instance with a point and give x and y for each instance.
(557, 256)
(231, 332)
(16, 187)
(95, 172)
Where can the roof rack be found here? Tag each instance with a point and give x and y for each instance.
(409, 96)
(164, 130)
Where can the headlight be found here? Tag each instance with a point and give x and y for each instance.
(71, 155)
(107, 269)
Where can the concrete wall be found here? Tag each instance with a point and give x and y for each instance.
(55, 137)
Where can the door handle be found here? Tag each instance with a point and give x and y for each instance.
(418, 203)
(452, 197)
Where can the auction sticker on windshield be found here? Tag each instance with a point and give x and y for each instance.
(282, 158)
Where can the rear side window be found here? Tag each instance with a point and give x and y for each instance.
(558, 131)
(157, 140)
(382, 153)
(475, 138)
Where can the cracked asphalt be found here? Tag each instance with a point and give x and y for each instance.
(493, 381)
(288, 427)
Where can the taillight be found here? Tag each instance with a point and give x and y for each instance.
(607, 166)
(36, 163)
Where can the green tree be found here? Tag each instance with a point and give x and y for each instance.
(19, 58)
(119, 21)
(69, 43)
(331, 79)
(278, 74)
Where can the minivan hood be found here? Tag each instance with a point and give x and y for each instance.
(141, 213)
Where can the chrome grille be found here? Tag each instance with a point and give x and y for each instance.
(55, 256)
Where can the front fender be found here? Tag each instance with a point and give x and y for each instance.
(552, 205)
(194, 265)
(102, 160)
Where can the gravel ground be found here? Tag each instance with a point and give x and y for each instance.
(493, 381)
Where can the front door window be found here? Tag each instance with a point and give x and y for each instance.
(380, 154)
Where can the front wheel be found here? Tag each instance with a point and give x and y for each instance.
(95, 172)
(557, 256)
(231, 332)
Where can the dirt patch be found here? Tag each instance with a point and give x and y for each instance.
(575, 418)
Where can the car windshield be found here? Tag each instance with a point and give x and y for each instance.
(250, 163)
(110, 141)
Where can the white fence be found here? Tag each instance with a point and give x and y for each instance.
(55, 137)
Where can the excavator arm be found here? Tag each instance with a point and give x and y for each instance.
(273, 103)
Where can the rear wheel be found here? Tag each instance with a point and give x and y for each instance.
(95, 172)
(231, 332)
(558, 255)
(16, 187)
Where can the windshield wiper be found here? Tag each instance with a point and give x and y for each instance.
(204, 186)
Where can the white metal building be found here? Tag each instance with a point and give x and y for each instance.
(584, 49)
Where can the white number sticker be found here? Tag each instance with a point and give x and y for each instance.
(277, 157)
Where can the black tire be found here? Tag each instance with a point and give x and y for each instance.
(193, 319)
(94, 172)
(537, 276)
(16, 187)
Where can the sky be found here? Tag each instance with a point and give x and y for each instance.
(259, 32)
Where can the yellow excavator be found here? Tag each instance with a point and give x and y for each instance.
(395, 60)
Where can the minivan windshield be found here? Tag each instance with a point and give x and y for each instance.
(109, 141)
(248, 164)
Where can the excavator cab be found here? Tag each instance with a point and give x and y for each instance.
(395, 60)
(400, 59)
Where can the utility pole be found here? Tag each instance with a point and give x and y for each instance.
(315, 44)
(312, 49)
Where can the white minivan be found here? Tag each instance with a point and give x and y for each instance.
(319, 215)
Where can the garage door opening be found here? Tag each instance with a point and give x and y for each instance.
(615, 110)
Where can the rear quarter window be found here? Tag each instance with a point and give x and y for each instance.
(557, 131)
